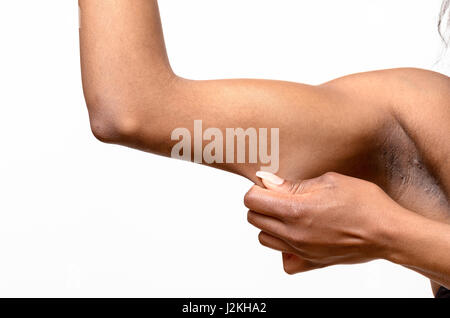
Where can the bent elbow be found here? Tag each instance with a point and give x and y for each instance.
(114, 130)
(118, 115)
(112, 122)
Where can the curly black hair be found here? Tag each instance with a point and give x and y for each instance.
(444, 22)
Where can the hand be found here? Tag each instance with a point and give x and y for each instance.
(332, 219)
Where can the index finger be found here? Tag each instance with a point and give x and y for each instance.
(272, 203)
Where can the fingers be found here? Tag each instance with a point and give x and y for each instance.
(275, 204)
(266, 223)
(282, 199)
(275, 183)
(279, 211)
(294, 264)
(275, 243)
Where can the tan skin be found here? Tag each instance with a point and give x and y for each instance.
(336, 219)
(389, 130)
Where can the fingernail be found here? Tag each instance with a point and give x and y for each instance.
(270, 177)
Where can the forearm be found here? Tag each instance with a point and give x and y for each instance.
(420, 244)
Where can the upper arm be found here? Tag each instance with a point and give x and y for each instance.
(320, 128)
(135, 99)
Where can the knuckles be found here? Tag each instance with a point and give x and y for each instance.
(295, 187)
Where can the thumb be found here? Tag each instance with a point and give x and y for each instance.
(275, 183)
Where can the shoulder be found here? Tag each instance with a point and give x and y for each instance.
(399, 87)
(419, 91)
(395, 78)
(414, 80)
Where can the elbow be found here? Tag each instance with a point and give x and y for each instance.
(112, 122)
(120, 115)
(117, 130)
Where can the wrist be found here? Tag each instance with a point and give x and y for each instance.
(390, 234)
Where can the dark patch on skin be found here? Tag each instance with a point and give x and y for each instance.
(405, 172)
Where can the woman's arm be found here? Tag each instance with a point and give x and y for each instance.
(421, 244)
(135, 99)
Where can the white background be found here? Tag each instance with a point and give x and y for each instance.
(81, 218)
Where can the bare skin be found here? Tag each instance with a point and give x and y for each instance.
(388, 127)
(336, 219)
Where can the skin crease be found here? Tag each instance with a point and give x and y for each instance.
(386, 128)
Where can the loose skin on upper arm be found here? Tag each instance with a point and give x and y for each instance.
(321, 128)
